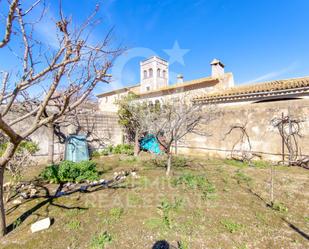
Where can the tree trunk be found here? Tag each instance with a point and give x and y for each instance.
(5, 158)
(169, 163)
(50, 143)
(175, 146)
(2, 210)
(136, 143)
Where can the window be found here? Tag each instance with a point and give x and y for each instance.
(158, 72)
(106, 99)
(145, 74)
(150, 72)
(147, 88)
(164, 74)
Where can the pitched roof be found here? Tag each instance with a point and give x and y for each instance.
(120, 90)
(257, 91)
(169, 89)
(187, 84)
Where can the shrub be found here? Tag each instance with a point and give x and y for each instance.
(50, 173)
(68, 171)
(22, 158)
(107, 151)
(126, 149)
(28, 146)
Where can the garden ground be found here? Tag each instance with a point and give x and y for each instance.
(207, 204)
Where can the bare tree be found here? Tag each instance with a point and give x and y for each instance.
(72, 67)
(290, 131)
(169, 120)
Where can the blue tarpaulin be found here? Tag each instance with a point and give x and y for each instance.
(150, 143)
(76, 149)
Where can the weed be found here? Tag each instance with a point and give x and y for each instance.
(280, 207)
(129, 159)
(242, 246)
(161, 162)
(241, 177)
(307, 219)
(95, 154)
(231, 226)
(260, 217)
(74, 224)
(144, 182)
(198, 182)
(154, 223)
(17, 223)
(99, 241)
(260, 164)
(182, 245)
(134, 200)
(235, 163)
(166, 207)
(116, 213)
(74, 212)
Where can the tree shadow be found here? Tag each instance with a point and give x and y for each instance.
(296, 229)
(269, 205)
(49, 200)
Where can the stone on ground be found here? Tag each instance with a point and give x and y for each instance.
(40, 225)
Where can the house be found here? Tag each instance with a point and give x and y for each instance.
(154, 84)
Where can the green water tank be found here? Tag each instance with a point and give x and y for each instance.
(76, 148)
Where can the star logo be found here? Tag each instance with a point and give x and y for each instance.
(176, 54)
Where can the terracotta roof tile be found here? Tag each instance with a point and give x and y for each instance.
(266, 88)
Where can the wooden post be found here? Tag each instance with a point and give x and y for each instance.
(272, 185)
(282, 137)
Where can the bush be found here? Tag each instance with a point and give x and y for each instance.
(68, 171)
(126, 149)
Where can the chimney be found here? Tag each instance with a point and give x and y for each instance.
(217, 68)
(179, 78)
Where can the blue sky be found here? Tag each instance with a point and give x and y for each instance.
(257, 40)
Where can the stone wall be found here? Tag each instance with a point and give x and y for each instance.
(101, 129)
(262, 138)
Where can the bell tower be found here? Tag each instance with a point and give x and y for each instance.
(154, 74)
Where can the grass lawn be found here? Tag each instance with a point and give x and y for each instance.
(210, 204)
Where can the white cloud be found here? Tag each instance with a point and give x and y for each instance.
(272, 75)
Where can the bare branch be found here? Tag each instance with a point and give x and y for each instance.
(9, 23)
